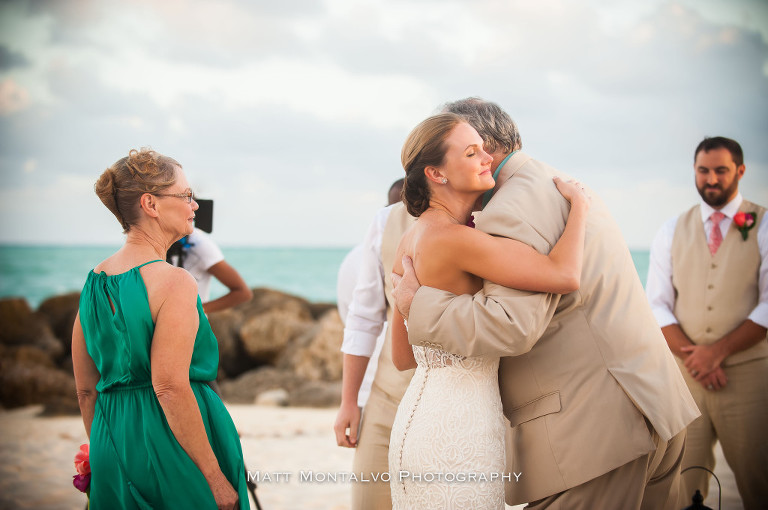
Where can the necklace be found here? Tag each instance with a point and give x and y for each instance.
(456, 220)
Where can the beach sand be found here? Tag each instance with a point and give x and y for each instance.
(291, 450)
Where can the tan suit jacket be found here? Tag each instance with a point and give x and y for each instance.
(579, 372)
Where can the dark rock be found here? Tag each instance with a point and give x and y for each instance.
(20, 326)
(319, 309)
(61, 312)
(25, 383)
(233, 360)
(25, 354)
(15, 316)
(245, 389)
(316, 394)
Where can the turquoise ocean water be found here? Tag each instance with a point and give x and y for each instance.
(38, 272)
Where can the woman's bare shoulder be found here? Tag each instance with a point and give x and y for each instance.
(166, 279)
(446, 236)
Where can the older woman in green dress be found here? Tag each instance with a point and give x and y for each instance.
(143, 351)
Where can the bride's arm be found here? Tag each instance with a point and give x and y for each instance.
(402, 353)
(514, 264)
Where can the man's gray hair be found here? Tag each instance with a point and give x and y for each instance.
(494, 125)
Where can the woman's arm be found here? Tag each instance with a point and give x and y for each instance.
(402, 354)
(172, 345)
(514, 264)
(86, 376)
(238, 289)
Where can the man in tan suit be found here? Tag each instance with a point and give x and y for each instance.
(371, 306)
(597, 406)
(708, 287)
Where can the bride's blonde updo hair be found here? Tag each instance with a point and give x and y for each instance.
(121, 186)
(424, 147)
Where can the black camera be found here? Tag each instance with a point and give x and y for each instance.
(203, 221)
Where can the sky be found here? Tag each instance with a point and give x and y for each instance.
(291, 115)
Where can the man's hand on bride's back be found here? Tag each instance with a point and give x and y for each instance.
(405, 287)
(573, 191)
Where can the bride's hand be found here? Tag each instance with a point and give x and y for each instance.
(573, 191)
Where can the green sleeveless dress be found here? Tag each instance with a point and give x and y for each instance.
(136, 461)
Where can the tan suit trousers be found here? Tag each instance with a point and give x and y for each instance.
(650, 482)
(370, 460)
(737, 416)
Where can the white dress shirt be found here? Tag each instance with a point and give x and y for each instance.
(659, 289)
(346, 280)
(366, 312)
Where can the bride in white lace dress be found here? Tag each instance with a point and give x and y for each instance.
(447, 443)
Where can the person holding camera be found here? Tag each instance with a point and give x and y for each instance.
(202, 257)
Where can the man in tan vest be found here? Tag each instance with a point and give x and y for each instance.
(371, 307)
(708, 287)
(597, 406)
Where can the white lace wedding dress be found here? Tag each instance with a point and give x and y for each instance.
(447, 444)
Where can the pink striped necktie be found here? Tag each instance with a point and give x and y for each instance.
(715, 236)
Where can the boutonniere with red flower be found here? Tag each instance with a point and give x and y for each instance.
(744, 222)
(82, 480)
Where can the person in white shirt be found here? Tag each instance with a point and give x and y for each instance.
(708, 288)
(365, 336)
(345, 286)
(203, 259)
(363, 373)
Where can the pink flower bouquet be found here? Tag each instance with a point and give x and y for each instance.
(82, 480)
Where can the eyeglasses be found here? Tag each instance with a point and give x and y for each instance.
(188, 196)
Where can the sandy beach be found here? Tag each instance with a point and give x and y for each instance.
(291, 450)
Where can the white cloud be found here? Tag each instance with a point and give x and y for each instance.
(292, 118)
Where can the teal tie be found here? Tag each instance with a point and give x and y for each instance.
(488, 194)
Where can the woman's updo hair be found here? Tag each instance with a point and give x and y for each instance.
(424, 147)
(121, 186)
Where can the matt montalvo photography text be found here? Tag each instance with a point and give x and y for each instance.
(311, 476)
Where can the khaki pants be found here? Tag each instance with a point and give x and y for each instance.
(737, 416)
(650, 482)
(371, 453)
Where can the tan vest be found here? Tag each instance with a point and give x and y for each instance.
(716, 294)
(389, 379)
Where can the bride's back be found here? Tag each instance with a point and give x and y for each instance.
(436, 266)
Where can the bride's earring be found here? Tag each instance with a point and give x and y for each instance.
(444, 181)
